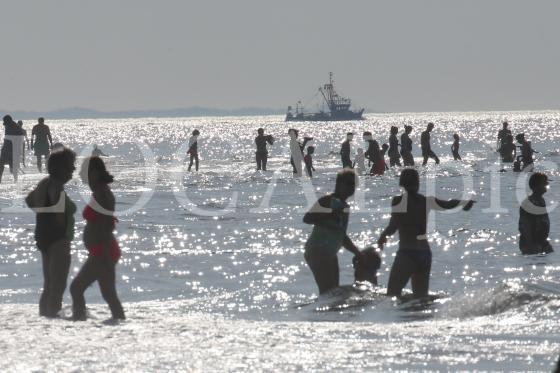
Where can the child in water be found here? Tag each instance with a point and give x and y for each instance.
(308, 160)
(359, 163)
(365, 269)
(329, 217)
(455, 148)
(534, 223)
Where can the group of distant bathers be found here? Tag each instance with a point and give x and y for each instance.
(330, 215)
(41, 143)
(508, 150)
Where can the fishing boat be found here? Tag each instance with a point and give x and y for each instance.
(339, 107)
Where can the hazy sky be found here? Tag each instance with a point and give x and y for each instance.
(386, 55)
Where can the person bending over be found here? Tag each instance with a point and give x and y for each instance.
(329, 217)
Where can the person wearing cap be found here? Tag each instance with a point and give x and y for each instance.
(426, 146)
(534, 223)
(345, 151)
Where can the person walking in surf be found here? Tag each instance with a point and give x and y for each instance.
(426, 146)
(41, 141)
(193, 149)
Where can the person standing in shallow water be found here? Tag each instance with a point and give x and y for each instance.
(526, 152)
(296, 151)
(41, 141)
(426, 146)
(406, 147)
(54, 228)
(534, 223)
(103, 248)
(308, 160)
(261, 155)
(503, 135)
(193, 149)
(7, 152)
(508, 150)
(394, 156)
(345, 151)
(455, 148)
(329, 217)
(409, 217)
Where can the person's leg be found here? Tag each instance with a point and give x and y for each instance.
(401, 271)
(108, 289)
(46, 285)
(258, 160)
(87, 275)
(39, 164)
(420, 280)
(264, 159)
(196, 161)
(322, 269)
(1, 170)
(434, 156)
(191, 159)
(59, 266)
(425, 160)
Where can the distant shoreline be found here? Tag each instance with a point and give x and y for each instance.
(83, 113)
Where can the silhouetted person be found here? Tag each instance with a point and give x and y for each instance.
(25, 144)
(455, 148)
(426, 146)
(41, 141)
(369, 153)
(345, 151)
(359, 164)
(394, 156)
(54, 228)
(508, 150)
(329, 216)
(193, 149)
(308, 160)
(96, 152)
(7, 152)
(261, 155)
(527, 151)
(534, 223)
(406, 147)
(378, 167)
(103, 248)
(296, 150)
(409, 217)
(503, 134)
(366, 266)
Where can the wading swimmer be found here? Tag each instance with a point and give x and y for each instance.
(455, 148)
(7, 152)
(503, 135)
(261, 155)
(308, 160)
(534, 223)
(409, 217)
(345, 151)
(193, 149)
(103, 248)
(41, 141)
(329, 217)
(508, 150)
(427, 151)
(296, 150)
(406, 147)
(54, 228)
(394, 156)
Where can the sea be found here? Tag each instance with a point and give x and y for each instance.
(212, 276)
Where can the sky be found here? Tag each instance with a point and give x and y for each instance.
(389, 56)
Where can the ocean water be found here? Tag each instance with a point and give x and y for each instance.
(213, 278)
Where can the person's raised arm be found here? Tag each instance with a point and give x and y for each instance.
(440, 205)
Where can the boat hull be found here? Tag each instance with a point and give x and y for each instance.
(326, 117)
